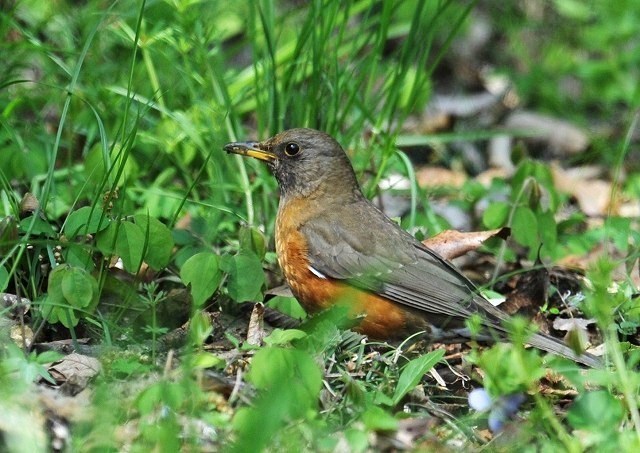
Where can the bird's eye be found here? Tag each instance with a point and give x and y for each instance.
(291, 149)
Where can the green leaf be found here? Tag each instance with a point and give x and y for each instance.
(160, 241)
(525, 227)
(496, 215)
(77, 287)
(78, 255)
(199, 328)
(4, 278)
(202, 272)
(548, 230)
(270, 365)
(377, 419)
(357, 439)
(95, 167)
(598, 410)
(86, 220)
(48, 357)
(287, 305)
(252, 240)
(289, 381)
(54, 285)
(203, 360)
(413, 372)
(67, 317)
(125, 240)
(39, 227)
(246, 277)
(280, 336)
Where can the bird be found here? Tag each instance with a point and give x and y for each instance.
(333, 244)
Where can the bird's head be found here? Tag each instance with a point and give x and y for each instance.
(304, 161)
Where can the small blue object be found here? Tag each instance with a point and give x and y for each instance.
(501, 409)
(479, 400)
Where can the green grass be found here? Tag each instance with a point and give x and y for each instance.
(114, 116)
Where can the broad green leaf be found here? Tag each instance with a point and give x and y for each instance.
(548, 230)
(289, 381)
(246, 277)
(78, 255)
(40, 226)
(199, 328)
(202, 360)
(48, 310)
(280, 336)
(287, 305)
(496, 215)
(77, 287)
(48, 357)
(525, 227)
(413, 372)
(160, 241)
(130, 245)
(598, 410)
(273, 367)
(67, 317)
(150, 398)
(202, 272)
(95, 166)
(377, 419)
(357, 439)
(54, 286)
(86, 220)
(125, 240)
(252, 240)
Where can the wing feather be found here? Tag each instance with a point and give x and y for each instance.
(378, 256)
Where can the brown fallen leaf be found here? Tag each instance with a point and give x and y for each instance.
(255, 332)
(451, 244)
(559, 136)
(593, 195)
(486, 177)
(625, 269)
(22, 335)
(74, 372)
(440, 177)
(568, 324)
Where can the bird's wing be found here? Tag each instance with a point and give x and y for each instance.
(375, 254)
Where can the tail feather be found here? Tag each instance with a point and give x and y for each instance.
(557, 347)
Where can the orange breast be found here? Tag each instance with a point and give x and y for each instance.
(382, 318)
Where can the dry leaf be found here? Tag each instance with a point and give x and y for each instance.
(486, 177)
(440, 177)
(22, 335)
(464, 105)
(561, 137)
(568, 324)
(450, 243)
(593, 195)
(499, 149)
(255, 332)
(74, 372)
